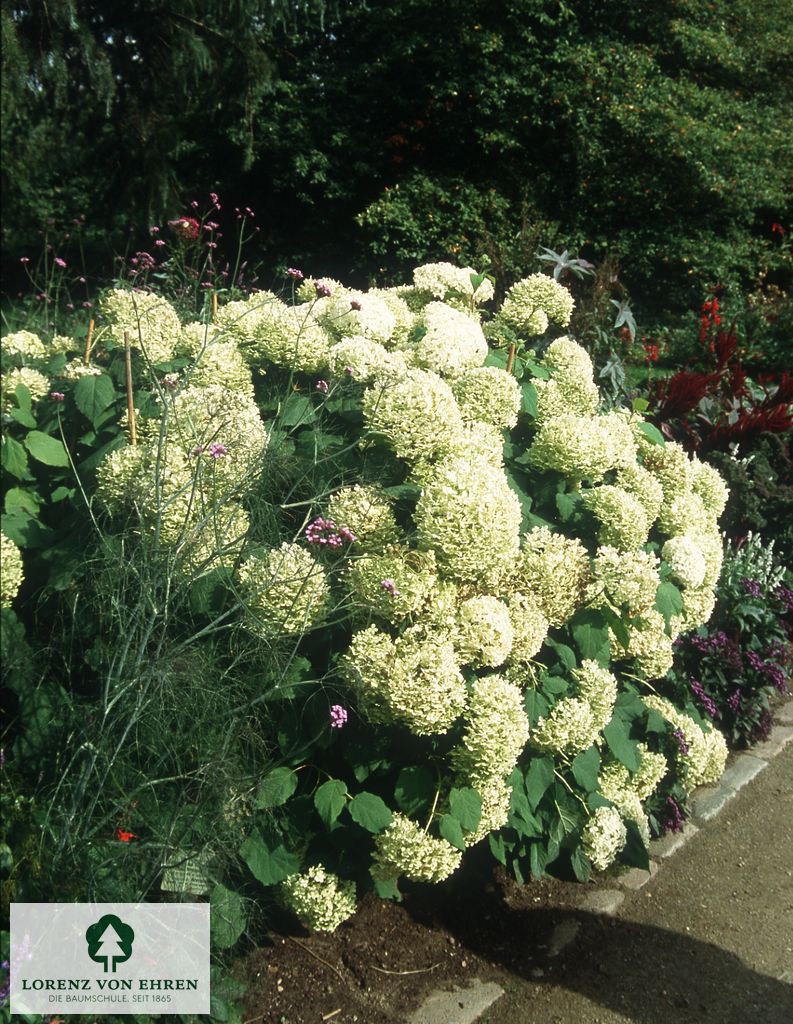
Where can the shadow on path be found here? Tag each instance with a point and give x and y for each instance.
(650, 975)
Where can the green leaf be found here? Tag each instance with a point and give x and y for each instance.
(269, 862)
(538, 858)
(655, 722)
(497, 847)
(536, 705)
(226, 915)
(668, 601)
(652, 433)
(582, 867)
(564, 653)
(25, 530)
(621, 745)
(529, 399)
(23, 397)
(370, 812)
(538, 371)
(23, 417)
(466, 806)
(388, 888)
(497, 357)
(60, 493)
(634, 852)
(554, 685)
(297, 409)
(640, 405)
(586, 768)
(329, 800)
(275, 788)
(13, 458)
(566, 504)
(618, 627)
(93, 394)
(415, 789)
(591, 635)
(449, 828)
(19, 498)
(46, 449)
(538, 778)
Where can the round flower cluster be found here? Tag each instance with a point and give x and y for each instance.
(350, 314)
(496, 796)
(417, 415)
(598, 687)
(470, 517)
(555, 571)
(392, 585)
(535, 301)
(624, 524)
(367, 513)
(626, 580)
(11, 571)
(320, 899)
(648, 643)
(151, 322)
(23, 348)
(529, 627)
(286, 590)
(451, 343)
(414, 679)
(75, 369)
(404, 848)
(571, 388)
(484, 634)
(603, 837)
(685, 560)
(496, 729)
(446, 281)
(615, 785)
(488, 395)
(365, 361)
(582, 447)
(36, 383)
(701, 755)
(570, 728)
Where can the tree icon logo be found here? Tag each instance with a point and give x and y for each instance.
(110, 942)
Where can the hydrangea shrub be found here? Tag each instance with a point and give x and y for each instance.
(477, 573)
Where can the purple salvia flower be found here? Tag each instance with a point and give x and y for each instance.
(674, 818)
(679, 735)
(707, 703)
(752, 587)
(734, 701)
(785, 595)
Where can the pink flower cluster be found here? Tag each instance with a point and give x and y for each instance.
(338, 717)
(325, 533)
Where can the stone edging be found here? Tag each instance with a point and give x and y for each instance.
(465, 1005)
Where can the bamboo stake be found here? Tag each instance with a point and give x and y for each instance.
(88, 340)
(511, 358)
(133, 433)
(214, 306)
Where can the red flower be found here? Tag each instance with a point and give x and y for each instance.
(124, 835)
(650, 352)
(777, 229)
(186, 227)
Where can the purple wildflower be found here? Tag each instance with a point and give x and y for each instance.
(674, 817)
(390, 587)
(57, 396)
(354, 304)
(323, 386)
(218, 450)
(338, 717)
(752, 587)
(325, 533)
(679, 735)
(785, 595)
(60, 262)
(734, 701)
(707, 703)
(322, 290)
(755, 660)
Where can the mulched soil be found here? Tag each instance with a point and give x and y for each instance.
(381, 964)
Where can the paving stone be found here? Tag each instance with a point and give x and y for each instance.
(784, 713)
(637, 877)
(603, 901)
(742, 770)
(672, 841)
(460, 1006)
(562, 935)
(780, 736)
(709, 800)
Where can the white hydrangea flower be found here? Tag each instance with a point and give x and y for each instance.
(364, 360)
(36, 383)
(685, 560)
(570, 728)
(648, 644)
(555, 571)
(23, 348)
(603, 837)
(404, 848)
(598, 687)
(531, 303)
(391, 585)
(445, 280)
(496, 729)
(488, 394)
(701, 755)
(484, 634)
(286, 590)
(529, 627)
(11, 571)
(452, 342)
(626, 579)
(367, 513)
(582, 446)
(623, 519)
(151, 322)
(358, 314)
(320, 899)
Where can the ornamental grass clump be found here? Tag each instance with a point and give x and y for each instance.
(450, 587)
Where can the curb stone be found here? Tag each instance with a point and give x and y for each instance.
(460, 1006)
(465, 1006)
